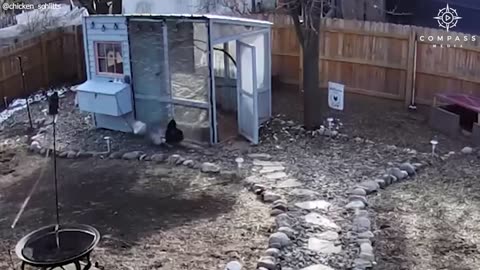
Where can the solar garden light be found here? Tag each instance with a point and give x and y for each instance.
(330, 122)
(434, 143)
(109, 143)
(239, 162)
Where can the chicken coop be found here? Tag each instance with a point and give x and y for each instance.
(211, 74)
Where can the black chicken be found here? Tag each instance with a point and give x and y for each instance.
(173, 135)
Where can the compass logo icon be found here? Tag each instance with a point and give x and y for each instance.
(447, 18)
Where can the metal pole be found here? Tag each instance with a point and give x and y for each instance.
(24, 90)
(55, 168)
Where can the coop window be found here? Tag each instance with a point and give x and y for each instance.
(109, 58)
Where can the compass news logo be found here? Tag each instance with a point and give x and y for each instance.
(447, 19)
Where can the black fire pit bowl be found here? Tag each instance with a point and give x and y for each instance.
(39, 248)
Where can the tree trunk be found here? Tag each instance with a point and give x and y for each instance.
(311, 109)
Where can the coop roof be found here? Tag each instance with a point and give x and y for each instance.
(217, 18)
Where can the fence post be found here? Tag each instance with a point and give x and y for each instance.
(410, 67)
(78, 53)
(46, 71)
(300, 69)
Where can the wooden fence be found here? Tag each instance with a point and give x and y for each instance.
(52, 59)
(380, 59)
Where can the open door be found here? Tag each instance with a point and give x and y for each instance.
(247, 94)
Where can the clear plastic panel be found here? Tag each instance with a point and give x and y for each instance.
(194, 122)
(232, 68)
(149, 71)
(246, 82)
(226, 30)
(259, 42)
(188, 60)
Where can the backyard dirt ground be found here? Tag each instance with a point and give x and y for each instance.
(150, 216)
(155, 217)
(432, 222)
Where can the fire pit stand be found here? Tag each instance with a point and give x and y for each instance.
(55, 247)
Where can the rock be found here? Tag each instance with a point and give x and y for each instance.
(115, 155)
(159, 157)
(42, 151)
(258, 186)
(355, 205)
(288, 231)
(39, 121)
(188, 163)
(62, 154)
(361, 224)
(398, 173)
(323, 246)
(328, 236)
(361, 213)
(71, 154)
(366, 252)
(358, 198)
(289, 183)
(82, 154)
(408, 168)
(35, 147)
(363, 241)
(233, 265)
(366, 248)
(362, 263)
(273, 252)
(319, 220)
(275, 175)
(357, 191)
(300, 192)
(278, 240)
(173, 159)
(381, 183)
(358, 140)
(267, 262)
(318, 267)
(367, 234)
(210, 168)
(272, 169)
(143, 157)
(467, 150)
(369, 186)
(283, 220)
(262, 163)
(276, 212)
(312, 205)
(389, 179)
(259, 156)
(179, 161)
(134, 155)
(270, 197)
(281, 205)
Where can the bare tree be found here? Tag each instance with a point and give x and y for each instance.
(307, 16)
(102, 6)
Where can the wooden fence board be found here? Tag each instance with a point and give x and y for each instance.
(378, 59)
(51, 59)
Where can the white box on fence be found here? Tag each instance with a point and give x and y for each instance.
(336, 95)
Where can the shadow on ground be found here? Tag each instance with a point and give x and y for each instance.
(127, 199)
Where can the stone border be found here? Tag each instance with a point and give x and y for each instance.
(358, 202)
(174, 159)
